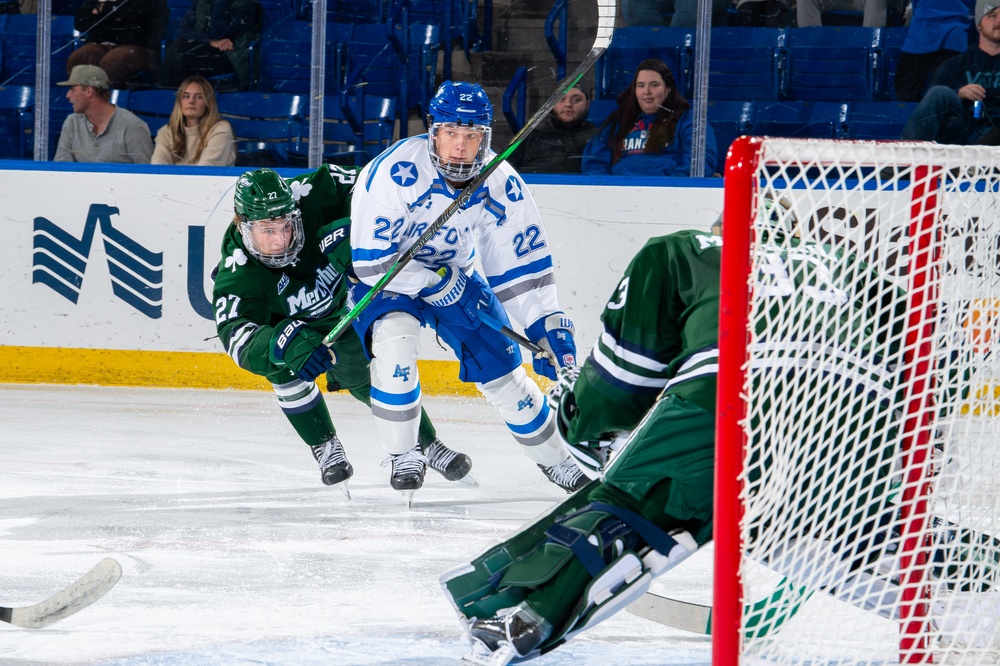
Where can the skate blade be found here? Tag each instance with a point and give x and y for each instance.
(344, 488)
(482, 656)
(408, 497)
(468, 480)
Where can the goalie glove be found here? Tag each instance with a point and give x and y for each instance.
(554, 334)
(565, 379)
(591, 456)
(300, 348)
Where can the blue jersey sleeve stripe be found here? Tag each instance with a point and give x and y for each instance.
(359, 254)
(521, 271)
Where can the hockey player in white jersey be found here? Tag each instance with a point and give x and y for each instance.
(397, 197)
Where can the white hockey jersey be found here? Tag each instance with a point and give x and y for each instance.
(400, 194)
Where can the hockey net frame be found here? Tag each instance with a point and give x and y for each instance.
(900, 207)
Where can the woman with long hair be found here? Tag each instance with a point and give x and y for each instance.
(649, 134)
(195, 134)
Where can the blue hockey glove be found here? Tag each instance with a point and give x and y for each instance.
(455, 298)
(300, 348)
(554, 334)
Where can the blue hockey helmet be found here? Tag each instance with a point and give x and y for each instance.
(460, 125)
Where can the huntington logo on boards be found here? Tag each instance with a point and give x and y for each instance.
(59, 261)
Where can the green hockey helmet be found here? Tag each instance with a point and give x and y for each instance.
(269, 220)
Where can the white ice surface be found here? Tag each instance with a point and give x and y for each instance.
(233, 552)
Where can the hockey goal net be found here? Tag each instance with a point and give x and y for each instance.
(858, 459)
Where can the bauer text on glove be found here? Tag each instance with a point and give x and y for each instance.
(300, 348)
(455, 298)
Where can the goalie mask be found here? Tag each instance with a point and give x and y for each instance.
(459, 121)
(777, 216)
(269, 221)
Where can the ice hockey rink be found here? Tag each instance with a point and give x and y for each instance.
(232, 550)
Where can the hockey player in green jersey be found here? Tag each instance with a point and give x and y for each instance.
(280, 287)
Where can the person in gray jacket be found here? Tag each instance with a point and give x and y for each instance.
(97, 130)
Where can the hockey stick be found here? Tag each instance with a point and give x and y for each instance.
(762, 617)
(605, 27)
(89, 588)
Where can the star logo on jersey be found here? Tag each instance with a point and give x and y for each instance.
(300, 189)
(513, 189)
(403, 173)
(238, 258)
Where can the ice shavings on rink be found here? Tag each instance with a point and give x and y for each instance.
(233, 551)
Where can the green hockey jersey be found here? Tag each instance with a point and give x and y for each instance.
(250, 298)
(660, 333)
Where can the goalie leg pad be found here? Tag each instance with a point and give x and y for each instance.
(395, 392)
(623, 581)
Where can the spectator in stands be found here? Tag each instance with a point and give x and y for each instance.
(809, 12)
(939, 29)
(213, 41)
(97, 130)
(556, 145)
(685, 12)
(765, 13)
(650, 133)
(945, 114)
(122, 37)
(195, 133)
(28, 6)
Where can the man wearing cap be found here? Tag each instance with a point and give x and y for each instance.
(962, 105)
(97, 130)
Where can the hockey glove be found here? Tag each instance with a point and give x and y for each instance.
(455, 298)
(295, 345)
(554, 334)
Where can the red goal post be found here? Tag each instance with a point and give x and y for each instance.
(858, 456)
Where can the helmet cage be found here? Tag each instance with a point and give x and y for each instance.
(459, 172)
(291, 251)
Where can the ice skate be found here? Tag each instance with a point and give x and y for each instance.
(407, 472)
(333, 465)
(452, 465)
(566, 475)
(511, 635)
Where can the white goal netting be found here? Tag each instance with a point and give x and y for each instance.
(868, 401)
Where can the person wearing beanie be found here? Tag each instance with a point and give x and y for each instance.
(962, 105)
(556, 146)
(97, 130)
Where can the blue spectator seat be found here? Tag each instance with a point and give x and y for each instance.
(264, 125)
(729, 119)
(456, 20)
(878, 120)
(830, 63)
(277, 12)
(374, 61)
(152, 106)
(630, 46)
(745, 63)
(20, 53)
(286, 57)
(16, 118)
(600, 109)
(356, 128)
(800, 119)
(890, 44)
